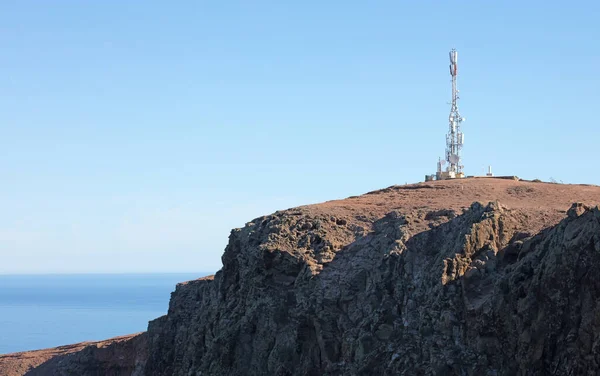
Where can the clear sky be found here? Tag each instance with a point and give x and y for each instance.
(136, 134)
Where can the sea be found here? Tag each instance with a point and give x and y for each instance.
(41, 311)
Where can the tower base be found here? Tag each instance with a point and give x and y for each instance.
(445, 175)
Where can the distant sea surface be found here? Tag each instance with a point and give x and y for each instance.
(41, 311)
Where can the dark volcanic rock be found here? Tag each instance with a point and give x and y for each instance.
(443, 301)
(429, 279)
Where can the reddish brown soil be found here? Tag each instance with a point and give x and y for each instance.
(545, 203)
(20, 363)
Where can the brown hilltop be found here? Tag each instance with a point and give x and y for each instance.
(479, 276)
(548, 201)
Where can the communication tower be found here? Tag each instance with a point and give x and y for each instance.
(455, 138)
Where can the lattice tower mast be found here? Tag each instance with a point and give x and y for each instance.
(455, 137)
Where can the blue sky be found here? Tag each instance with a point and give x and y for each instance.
(135, 134)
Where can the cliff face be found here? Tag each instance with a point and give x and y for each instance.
(465, 277)
(351, 288)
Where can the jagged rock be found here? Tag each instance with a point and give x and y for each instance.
(576, 210)
(377, 285)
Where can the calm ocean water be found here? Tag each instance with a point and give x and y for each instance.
(40, 311)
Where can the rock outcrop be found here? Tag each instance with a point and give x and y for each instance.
(465, 277)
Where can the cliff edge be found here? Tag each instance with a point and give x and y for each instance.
(460, 277)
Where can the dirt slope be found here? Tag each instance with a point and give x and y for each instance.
(111, 354)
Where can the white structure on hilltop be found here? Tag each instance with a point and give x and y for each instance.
(455, 138)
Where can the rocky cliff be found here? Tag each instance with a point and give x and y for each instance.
(463, 277)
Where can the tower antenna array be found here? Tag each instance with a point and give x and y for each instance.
(455, 137)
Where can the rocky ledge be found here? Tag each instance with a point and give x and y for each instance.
(464, 277)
